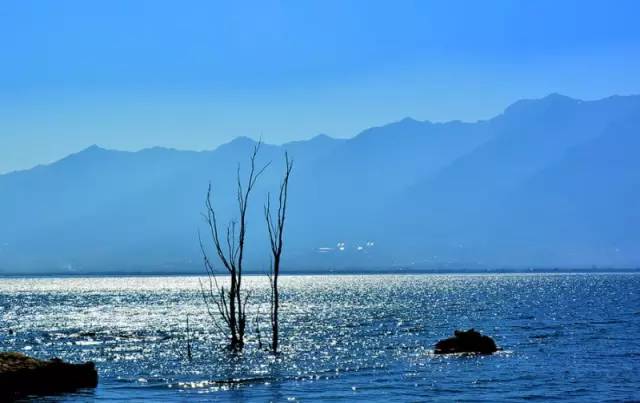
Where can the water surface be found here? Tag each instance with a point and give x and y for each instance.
(565, 337)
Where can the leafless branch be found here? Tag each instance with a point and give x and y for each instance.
(275, 229)
(230, 303)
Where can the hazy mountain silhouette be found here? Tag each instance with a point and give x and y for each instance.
(550, 182)
(469, 204)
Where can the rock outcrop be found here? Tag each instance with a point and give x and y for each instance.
(469, 341)
(22, 376)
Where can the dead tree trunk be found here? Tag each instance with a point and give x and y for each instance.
(229, 303)
(275, 226)
(189, 354)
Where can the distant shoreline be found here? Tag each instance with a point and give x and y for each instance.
(346, 272)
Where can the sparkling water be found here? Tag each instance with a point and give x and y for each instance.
(344, 337)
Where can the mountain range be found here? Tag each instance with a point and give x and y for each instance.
(551, 182)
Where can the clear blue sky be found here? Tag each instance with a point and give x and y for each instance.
(194, 74)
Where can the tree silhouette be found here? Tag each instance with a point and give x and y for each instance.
(229, 302)
(275, 227)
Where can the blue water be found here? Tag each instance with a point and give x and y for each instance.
(570, 337)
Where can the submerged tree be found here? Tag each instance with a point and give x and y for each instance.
(229, 302)
(275, 226)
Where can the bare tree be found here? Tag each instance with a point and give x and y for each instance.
(189, 354)
(275, 226)
(230, 302)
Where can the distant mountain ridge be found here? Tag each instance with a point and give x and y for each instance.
(551, 182)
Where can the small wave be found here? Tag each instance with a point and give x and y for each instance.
(543, 336)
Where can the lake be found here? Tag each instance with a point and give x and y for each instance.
(570, 337)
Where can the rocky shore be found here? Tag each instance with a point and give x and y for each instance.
(22, 376)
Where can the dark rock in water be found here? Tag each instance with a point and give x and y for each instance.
(469, 341)
(22, 376)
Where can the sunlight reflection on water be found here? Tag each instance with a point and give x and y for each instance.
(343, 337)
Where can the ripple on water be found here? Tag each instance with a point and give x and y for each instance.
(343, 337)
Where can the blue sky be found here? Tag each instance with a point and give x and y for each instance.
(194, 74)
